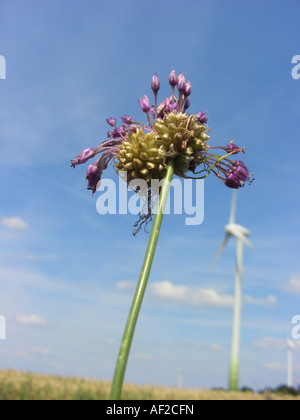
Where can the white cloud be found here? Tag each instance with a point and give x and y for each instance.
(293, 286)
(42, 351)
(143, 356)
(34, 320)
(215, 346)
(111, 341)
(268, 301)
(277, 367)
(183, 294)
(274, 343)
(202, 297)
(14, 223)
(269, 343)
(125, 285)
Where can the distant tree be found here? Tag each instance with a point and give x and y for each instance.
(247, 389)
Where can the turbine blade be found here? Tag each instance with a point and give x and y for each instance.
(243, 238)
(220, 250)
(233, 207)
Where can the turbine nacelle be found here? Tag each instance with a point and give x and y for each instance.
(290, 345)
(239, 232)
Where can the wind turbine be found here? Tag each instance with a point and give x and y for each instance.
(290, 348)
(241, 234)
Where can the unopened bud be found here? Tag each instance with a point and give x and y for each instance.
(111, 121)
(155, 85)
(188, 89)
(173, 78)
(181, 84)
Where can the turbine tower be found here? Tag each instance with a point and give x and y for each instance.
(241, 234)
(290, 348)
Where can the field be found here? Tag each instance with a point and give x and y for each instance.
(16, 385)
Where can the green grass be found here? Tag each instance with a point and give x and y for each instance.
(15, 385)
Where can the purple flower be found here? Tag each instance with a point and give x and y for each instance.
(188, 89)
(111, 121)
(93, 176)
(83, 157)
(145, 104)
(232, 181)
(186, 104)
(127, 119)
(241, 170)
(118, 132)
(181, 85)
(232, 148)
(237, 175)
(173, 78)
(155, 85)
(165, 107)
(201, 117)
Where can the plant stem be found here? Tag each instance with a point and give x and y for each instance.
(141, 287)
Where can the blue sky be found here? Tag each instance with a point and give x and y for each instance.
(67, 273)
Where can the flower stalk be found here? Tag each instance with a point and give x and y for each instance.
(141, 287)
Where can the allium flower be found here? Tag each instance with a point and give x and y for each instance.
(181, 84)
(111, 121)
(127, 119)
(144, 150)
(93, 176)
(201, 117)
(173, 78)
(155, 85)
(145, 104)
(83, 157)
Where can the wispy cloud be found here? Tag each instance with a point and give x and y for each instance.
(111, 341)
(276, 367)
(270, 343)
(183, 294)
(125, 285)
(142, 356)
(293, 286)
(268, 301)
(34, 320)
(42, 351)
(202, 297)
(14, 223)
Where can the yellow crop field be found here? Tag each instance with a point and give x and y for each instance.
(15, 385)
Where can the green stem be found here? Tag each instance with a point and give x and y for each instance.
(141, 287)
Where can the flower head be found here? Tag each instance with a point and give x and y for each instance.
(143, 150)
